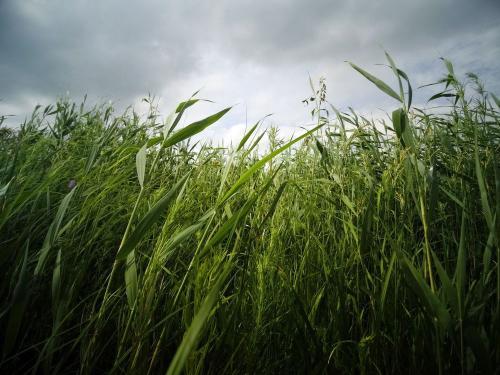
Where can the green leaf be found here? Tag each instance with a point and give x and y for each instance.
(385, 286)
(154, 141)
(348, 203)
(56, 284)
(365, 240)
(460, 270)
(410, 91)
(140, 163)
(377, 82)
(53, 232)
(180, 111)
(229, 225)
(482, 188)
(398, 124)
(402, 127)
(452, 197)
(167, 126)
(448, 65)
(487, 257)
(255, 167)
(396, 73)
(450, 291)
(131, 279)
(246, 136)
(429, 300)
(191, 336)
(187, 131)
(442, 95)
(194, 128)
(254, 144)
(325, 156)
(4, 189)
(185, 105)
(148, 220)
(179, 238)
(274, 204)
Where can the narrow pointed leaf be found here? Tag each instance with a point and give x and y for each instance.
(53, 232)
(410, 91)
(377, 82)
(460, 271)
(185, 105)
(254, 144)
(274, 204)
(250, 171)
(179, 238)
(428, 299)
(149, 219)
(131, 279)
(442, 95)
(395, 71)
(56, 284)
(4, 189)
(191, 336)
(387, 278)
(449, 291)
(482, 188)
(140, 163)
(246, 136)
(193, 128)
(229, 225)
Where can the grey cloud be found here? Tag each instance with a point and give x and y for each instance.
(257, 52)
(53, 47)
(294, 31)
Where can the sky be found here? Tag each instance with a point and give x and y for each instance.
(254, 55)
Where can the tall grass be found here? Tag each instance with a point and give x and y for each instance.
(358, 247)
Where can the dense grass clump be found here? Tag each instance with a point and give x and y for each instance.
(358, 247)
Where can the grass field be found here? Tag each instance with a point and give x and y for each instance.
(354, 248)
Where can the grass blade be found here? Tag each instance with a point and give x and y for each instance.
(191, 336)
(246, 136)
(185, 105)
(254, 168)
(131, 279)
(377, 82)
(148, 220)
(429, 300)
(53, 231)
(387, 278)
(482, 187)
(140, 163)
(194, 128)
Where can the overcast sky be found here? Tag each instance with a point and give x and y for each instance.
(256, 54)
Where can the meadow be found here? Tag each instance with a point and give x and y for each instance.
(360, 246)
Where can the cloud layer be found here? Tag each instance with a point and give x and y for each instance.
(258, 54)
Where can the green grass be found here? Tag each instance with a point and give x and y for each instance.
(359, 247)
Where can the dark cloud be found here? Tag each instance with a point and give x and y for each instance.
(52, 47)
(258, 53)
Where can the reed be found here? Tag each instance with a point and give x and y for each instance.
(360, 246)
